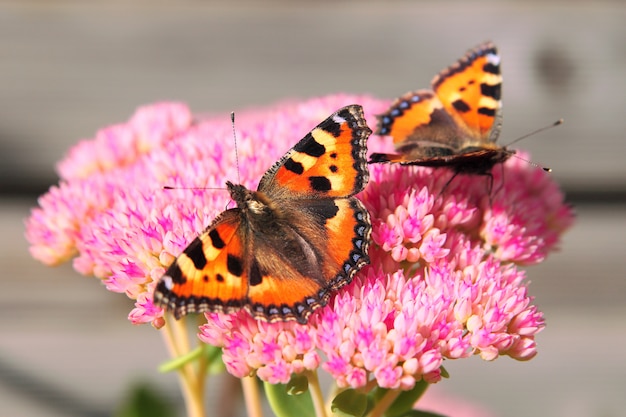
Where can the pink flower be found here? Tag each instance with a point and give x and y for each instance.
(443, 282)
(456, 296)
(273, 352)
(110, 212)
(120, 145)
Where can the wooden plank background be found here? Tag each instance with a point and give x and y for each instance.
(69, 68)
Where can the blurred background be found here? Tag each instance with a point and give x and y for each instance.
(68, 68)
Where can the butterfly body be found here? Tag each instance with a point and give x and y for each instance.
(285, 247)
(454, 125)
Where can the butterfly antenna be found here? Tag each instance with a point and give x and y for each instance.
(534, 132)
(232, 121)
(170, 187)
(532, 163)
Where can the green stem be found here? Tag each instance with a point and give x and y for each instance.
(203, 365)
(177, 341)
(371, 384)
(251, 396)
(383, 404)
(316, 394)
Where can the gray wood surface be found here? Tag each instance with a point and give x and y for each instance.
(69, 68)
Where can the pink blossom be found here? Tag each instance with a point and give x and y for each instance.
(273, 351)
(399, 320)
(122, 144)
(444, 280)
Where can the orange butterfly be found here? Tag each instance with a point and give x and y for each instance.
(288, 245)
(454, 125)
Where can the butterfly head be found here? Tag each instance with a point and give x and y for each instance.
(253, 203)
(239, 193)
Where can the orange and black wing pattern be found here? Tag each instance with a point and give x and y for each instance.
(286, 247)
(456, 123)
(209, 274)
(330, 161)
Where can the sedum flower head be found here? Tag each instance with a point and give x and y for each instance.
(444, 280)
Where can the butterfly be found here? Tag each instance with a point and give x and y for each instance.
(454, 125)
(287, 246)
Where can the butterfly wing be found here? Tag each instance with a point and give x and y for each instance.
(459, 117)
(328, 162)
(295, 268)
(420, 127)
(209, 275)
(471, 90)
(288, 245)
(320, 235)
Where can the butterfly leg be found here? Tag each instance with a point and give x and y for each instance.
(500, 187)
(447, 184)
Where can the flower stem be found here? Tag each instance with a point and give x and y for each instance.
(383, 404)
(251, 396)
(316, 394)
(191, 378)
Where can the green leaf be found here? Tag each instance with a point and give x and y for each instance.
(145, 401)
(286, 405)
(297, 385)
(349, 403)
(406, 400)
(211, 353)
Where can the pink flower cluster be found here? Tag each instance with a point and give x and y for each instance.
(110, 213)
(443, 282)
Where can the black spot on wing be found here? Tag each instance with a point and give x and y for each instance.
(493, 91)
(293, 166)
(176, 274)
(487, 111)
(196, 254)
(323, 210)
(461, 106)
(216, 239)
(467, 60)
(491, 68)
(333, 168)
(310, 146)
(234, 265)
(331, 126)
(321, 184)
